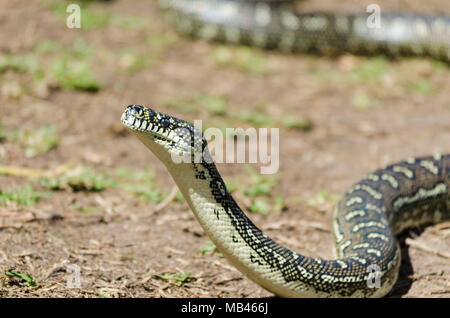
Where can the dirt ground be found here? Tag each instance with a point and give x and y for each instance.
(366, 112)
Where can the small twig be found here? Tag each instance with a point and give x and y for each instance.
(167, 200)
(34, 173)
(54, 268)
(175, 251)
(145, 279)
(90, 252)
(439, 292)
(315, 225)
(425, 248)
(53, 285)
(25, 253)
(23, 172)
(224, 281)
(417, 277)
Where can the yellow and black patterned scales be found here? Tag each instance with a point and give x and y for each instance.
(384, 203)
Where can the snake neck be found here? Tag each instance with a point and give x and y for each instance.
(276, 25)
(263, 260)
(233, 233)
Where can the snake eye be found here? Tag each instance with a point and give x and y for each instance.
(164, 123)
(137, 111)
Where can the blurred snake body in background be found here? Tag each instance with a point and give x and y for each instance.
(275, 24)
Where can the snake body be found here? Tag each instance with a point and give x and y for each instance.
(377, 208)
(275, 24)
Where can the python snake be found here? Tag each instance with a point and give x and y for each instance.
(383, 204)
(275, 24)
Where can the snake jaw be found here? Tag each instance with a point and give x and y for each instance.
(141, 118)
(156, 130)
(138, 118)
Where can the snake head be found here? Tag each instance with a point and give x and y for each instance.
(144, 119)
(165, 134)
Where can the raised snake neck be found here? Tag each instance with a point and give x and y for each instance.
(384, 203)
(274, 24)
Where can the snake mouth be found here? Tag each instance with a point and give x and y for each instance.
(138, 118)
(143, 119)
(177, 134)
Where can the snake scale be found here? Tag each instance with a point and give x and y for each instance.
(275, 24)
(377, 208)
